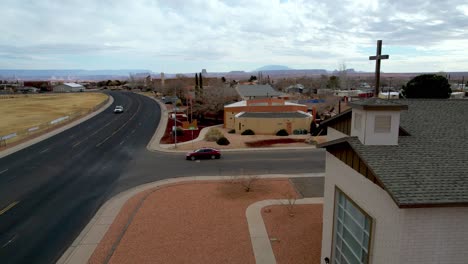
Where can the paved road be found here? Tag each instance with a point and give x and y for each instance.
(49, 191)
(58, 184)
(148, 167)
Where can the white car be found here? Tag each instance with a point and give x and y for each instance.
(118, 109)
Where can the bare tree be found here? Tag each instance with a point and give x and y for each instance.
(135, 82)
(215, 95)
(246, 181)
(284, 83)
(290, 203)
(343, 75)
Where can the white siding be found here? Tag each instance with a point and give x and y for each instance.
(367, 134)
(410, 236)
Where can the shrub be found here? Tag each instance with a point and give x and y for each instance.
(282, 132)
(248, 132)
(178, 132)
(213, 135)
(296, 132)
(232, 131)
(223, 141)
(305, 132)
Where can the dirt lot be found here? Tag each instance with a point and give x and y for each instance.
(26, 111)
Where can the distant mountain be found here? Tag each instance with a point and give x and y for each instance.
(273, 68)
(68, 74)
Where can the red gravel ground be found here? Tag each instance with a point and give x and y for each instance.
(202, 222)
(269, 142)
(294, 241)
(168, 138)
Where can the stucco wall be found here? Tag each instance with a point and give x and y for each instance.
(230, 112)
(229, 120)
(269, 126)
(410, 236)
(435, 235)
(386, 227)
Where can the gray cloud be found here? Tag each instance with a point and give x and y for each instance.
(229, 32)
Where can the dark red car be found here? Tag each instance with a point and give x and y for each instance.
(204, 153)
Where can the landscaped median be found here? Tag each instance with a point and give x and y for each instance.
(27, 116)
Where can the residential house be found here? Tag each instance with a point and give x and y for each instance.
(296, 88)
(266, 116)
(260, 91)
(396, 184)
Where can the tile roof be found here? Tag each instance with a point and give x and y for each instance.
(430, 166)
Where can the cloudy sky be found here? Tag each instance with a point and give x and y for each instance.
(188, 35)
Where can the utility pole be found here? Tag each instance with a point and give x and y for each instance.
(175, 116)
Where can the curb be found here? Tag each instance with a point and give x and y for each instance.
(154, 145)
(160, 130)
(54, 132)
(261, 244)
(84, 245)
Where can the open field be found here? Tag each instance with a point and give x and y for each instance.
(22, 112)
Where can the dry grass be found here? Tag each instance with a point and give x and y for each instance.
(148, 94)
(24, 112)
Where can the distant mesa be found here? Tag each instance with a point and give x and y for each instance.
(70, 73)
(274, 68)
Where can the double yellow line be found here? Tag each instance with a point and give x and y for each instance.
(4, 210)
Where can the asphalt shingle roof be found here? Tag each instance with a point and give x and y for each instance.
(430, 166)
(373, 103)
(257, 90)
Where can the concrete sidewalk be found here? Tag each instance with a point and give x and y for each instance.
(85, 244)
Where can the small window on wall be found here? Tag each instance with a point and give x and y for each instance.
(357, 121)
(351, 232)
(382, 124)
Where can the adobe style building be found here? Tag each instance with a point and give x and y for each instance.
(266, 116)
(396, 184)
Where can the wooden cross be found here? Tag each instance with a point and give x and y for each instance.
(377, 58)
